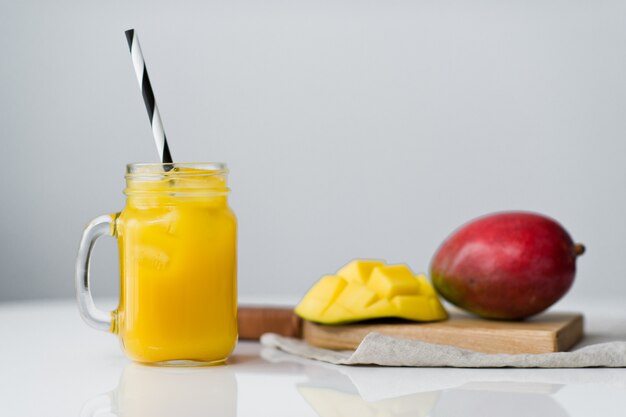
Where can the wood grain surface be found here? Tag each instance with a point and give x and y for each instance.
(548, 332)
(256, 320)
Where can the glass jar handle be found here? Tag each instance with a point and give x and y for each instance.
(93, 316)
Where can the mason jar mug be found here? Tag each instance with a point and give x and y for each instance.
(177, 254)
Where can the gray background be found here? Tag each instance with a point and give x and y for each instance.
(352, 128)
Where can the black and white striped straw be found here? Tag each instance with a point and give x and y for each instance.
(148, 97)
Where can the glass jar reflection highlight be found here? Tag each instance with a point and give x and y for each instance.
(166, 392)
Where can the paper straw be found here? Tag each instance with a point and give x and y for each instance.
(148, 97)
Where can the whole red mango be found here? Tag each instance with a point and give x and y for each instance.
(508, 265)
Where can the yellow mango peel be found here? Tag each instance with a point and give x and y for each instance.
(370, 289)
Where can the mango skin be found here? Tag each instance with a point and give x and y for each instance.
(507, 266)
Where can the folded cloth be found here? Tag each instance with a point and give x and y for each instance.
(378, 349)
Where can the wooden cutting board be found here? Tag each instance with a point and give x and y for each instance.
(548, 332)
(253, 321)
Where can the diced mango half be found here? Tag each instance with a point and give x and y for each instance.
(364, 290)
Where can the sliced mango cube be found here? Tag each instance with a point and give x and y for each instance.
(359, 270)
(381, 308)
(412, 307)
(336, 313)
(388, 291)
(356, 297)
(390, 281)
(320, 296)
(425, 287)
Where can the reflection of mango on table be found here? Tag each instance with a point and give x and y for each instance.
(330, 403)
(366, 289)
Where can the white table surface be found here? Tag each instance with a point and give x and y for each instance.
(54, 365)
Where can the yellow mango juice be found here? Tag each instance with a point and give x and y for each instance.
(177, 244)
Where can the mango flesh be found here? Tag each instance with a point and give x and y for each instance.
(359, 270)
(506, 265)
(366, 289)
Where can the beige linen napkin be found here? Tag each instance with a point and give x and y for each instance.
(378, 349)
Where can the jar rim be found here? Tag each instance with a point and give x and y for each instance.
(160, 167)
(180, 179)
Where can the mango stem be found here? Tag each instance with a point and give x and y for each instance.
(579, 248)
